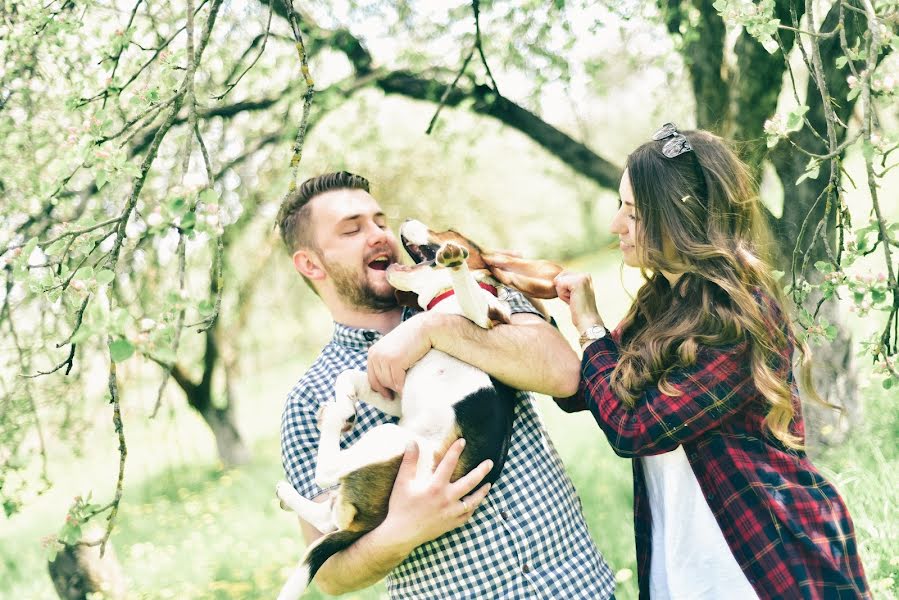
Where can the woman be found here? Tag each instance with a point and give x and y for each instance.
(696, 385)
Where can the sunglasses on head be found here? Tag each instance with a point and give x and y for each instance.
(677, 145)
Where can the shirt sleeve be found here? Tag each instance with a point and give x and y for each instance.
(299, 442)
(717, 386)
(519, 303)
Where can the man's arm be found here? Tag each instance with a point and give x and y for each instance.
(528, 354)
(419, 511)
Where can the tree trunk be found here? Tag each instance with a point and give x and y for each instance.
(78, 571)
(836, 381)
(231, 448)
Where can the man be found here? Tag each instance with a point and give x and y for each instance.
(527, 537)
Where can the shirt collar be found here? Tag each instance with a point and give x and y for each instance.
(361, 339)
(354, 337)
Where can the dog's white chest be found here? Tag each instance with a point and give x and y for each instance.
(433, 385)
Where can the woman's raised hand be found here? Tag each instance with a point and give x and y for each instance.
(576, 290)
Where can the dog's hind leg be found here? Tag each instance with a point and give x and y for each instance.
(317, 514)
(377, 445)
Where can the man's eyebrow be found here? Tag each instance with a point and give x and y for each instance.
(360, 215)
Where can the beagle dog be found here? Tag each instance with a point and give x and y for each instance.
(443, 398)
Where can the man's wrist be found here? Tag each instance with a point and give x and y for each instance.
(392, 541)
(433, 324)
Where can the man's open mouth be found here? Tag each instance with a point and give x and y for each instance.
(379, 264)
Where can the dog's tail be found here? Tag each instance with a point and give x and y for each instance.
(320, 551)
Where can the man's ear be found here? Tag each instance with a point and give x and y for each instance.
(308, 264)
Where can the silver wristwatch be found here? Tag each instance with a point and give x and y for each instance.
(591, 334)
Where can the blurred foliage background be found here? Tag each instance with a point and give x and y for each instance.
(148, 305)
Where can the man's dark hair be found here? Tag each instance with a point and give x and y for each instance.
(294, 216)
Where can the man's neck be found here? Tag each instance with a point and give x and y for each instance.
(383, 321)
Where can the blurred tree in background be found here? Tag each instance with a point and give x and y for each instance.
(146, 146)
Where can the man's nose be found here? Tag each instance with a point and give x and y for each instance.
(377, 236)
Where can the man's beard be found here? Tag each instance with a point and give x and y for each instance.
(356, 289)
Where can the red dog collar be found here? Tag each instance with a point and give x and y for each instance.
(443, 296)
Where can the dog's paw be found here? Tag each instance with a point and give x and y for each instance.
(451, 255)
(285, 493)
(337, 415)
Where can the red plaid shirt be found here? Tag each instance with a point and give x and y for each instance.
(786, 525)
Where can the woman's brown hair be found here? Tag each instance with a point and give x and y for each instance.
(698, 215)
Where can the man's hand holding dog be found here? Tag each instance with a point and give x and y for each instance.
(424, 508)
(390, 357)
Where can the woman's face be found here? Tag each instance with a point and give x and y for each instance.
(625, 223)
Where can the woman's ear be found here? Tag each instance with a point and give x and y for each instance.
(309, 265)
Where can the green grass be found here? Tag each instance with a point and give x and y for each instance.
(188, 529)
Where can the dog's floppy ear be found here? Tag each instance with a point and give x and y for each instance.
(532, 277)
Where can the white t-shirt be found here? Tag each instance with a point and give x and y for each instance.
(690, 557)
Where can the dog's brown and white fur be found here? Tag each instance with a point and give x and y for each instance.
(443, 399)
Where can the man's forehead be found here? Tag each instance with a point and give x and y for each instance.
(337, 205)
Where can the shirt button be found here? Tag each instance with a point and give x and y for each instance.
(525, 568)
(692, 456)
(504, 515)
(369, 335)
(710, 496)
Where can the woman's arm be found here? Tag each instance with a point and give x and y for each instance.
(717, 386)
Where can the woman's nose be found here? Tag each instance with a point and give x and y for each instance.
(617, 225)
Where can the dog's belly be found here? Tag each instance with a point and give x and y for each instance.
(433, 385)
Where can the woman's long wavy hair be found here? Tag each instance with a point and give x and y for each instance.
(698, 214)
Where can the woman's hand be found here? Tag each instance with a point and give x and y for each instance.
(576, 290)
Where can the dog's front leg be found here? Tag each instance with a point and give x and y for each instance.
(359, 381)
(468, 293)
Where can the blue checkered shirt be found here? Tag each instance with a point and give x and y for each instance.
(527, 540)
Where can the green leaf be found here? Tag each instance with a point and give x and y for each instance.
(120, 350)
(70, 534)
(188, 222)
(878, 296)
(209, 196)
(10, 507)
(105, 276)
(101, 179)
(841, 61)
(777, 275)
(206, 308)
(56, 247)
(794, 119)
(853, 94)
(720, 5)
(177, 206)
(888, 383)
(830, 332)
(823, 266)
(84, 273)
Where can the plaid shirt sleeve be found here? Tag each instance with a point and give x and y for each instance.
(519, 303)
(717, 386)
(299, 441)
